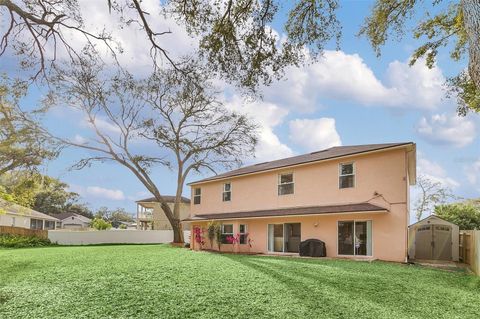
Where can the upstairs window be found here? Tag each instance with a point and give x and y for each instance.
(197, 196)
(227, 192)
(346, 175)
(285, 184)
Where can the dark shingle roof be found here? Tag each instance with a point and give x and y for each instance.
(333, 152)
(292, 211)
(168, 198)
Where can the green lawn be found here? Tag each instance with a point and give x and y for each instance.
(165, 282)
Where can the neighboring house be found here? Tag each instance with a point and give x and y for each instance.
(18, 216)
(72, 221)
(150, 214)
(354, 198)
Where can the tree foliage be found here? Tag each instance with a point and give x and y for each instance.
(22, 145)
(235, 38)
(456, 25)
(41, 193)
(100, 224)
(184, 125)
(115, 217)
(466, 215)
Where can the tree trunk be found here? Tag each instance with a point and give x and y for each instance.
(174, 221)
(471, 15)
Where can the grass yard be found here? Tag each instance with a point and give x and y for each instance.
(160, 281)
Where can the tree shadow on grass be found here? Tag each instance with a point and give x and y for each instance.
(350, 289)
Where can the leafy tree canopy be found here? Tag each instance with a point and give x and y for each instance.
(22, 144)
(115, 217)
(466, 215)
(41, 193)
(445, 24)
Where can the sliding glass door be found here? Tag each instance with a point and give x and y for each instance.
(275, 237)
(284, 237)
(355, 238)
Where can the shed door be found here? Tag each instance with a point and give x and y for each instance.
(442, 242)
(423, 242)
(433, 242)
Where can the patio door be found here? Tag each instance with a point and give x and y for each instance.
(275, 238)
(355, 238)
(284, 237)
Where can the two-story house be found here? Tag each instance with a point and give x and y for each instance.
(150, 215)
(354, 198)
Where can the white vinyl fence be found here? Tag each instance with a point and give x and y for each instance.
(65, 237)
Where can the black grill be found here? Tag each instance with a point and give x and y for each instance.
(313, 248)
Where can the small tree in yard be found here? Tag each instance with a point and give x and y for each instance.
(218, 235)
(164, 120)
(431, 193)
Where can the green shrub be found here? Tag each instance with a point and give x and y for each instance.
(100, 224)
(16, 241)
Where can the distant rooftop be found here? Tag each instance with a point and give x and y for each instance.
(168, 198)
(329, 153)
(63, 216)
(15, 209)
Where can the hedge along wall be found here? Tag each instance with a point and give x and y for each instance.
(23, 231)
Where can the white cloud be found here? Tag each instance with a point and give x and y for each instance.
(97, 192)
(473, 173)
(435, 172)
(416, 86)
(79, 139)
(447, 130)
(343, 76)
(100, 192)
(267, 116)
(102, 124)
(314, 134)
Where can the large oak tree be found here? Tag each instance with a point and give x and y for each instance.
(165, 120)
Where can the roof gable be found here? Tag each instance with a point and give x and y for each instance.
(63, 216)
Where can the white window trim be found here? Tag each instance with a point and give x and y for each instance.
(279, 178)
(227, 234)
(354, 221)
(195, 195)
(244, 233)
(354, 174)
(224, 191)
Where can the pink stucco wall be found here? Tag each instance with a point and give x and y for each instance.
(317, 184)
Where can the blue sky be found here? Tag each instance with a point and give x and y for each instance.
(349, 97)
